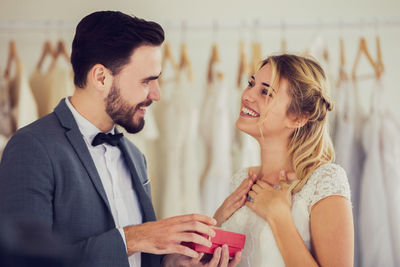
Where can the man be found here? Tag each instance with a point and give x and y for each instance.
(72, 172)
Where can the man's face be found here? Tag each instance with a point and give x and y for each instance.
(135, 88)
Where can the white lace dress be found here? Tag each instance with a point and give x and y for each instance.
(260, 248)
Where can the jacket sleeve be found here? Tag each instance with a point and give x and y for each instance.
(27, 187)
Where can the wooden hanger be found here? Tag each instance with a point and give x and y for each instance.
(243, 65)
(379, 62)
(185, 62)
(61, 50)
(256, 57)
(213, 59)
(167, 56)
(46, 51)
(342, 72)
(363, 50)
(12, 57)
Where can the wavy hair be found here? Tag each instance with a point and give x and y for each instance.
(310, 146)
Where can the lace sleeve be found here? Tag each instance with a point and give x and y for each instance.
(327, 180)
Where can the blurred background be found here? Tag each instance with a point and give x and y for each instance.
(190, 142)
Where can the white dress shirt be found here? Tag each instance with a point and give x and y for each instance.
(115, 177)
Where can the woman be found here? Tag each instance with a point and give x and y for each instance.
(290, 222)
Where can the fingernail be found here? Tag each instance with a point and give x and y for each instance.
(282, 173)
(209, 244)
(225, 247)
(214, 221)
(213, 234)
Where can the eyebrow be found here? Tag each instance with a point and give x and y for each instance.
(265, 84)
(151, 78)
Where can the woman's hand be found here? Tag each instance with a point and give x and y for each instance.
(268, 201)
(235, 200)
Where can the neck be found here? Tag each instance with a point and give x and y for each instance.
(274, 159)
(92, 108)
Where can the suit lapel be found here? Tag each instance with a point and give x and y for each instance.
(144, 199)
(75, 137)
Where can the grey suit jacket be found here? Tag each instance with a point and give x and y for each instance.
(47, 176)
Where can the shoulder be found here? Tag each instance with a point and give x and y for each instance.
(327, 180)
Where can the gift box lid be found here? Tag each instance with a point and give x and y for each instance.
(230, 238)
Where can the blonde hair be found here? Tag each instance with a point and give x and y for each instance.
(310, 146)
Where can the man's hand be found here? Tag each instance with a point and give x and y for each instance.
(219, 259)
(165, 236)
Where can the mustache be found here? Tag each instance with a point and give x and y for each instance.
(144, 104)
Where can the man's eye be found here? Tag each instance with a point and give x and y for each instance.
(251, 84)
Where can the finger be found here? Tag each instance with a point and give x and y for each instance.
(291, 177)
(252, 194)
(195, 217)
(186, 251)
(284, 185)
(253, 177)
(236, 259)
(195, 238)
(195, 226)
(197, 260)
(215, 259)
(224, 256)
(263, 184)
(256, 188)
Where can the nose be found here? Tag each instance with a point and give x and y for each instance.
(247, 95)
(154, 92)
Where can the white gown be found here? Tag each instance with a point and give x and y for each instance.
(23, 104)
(375, 235)
(349, 151)
(179, 173)
(260, 248)
(390, 144)
(216, 130)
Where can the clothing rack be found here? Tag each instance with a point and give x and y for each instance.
(217, 25)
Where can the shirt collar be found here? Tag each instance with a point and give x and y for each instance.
(88, 129)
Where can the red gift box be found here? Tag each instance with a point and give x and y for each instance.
(235, 242)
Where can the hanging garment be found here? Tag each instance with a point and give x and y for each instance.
(23, 104)
(245, 149)
(375, 236)
(40, 83)
(6, 125)
(216, 130)
(49, 88)
(390, 156)
(260, 248)
(178, 147)
(349, 151)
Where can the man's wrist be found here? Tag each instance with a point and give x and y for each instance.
(130, 239)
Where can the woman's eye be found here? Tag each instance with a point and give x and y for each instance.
(251, 84)
(265, 92)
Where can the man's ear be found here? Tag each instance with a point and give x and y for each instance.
(101, 78)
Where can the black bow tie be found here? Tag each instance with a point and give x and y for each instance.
(111, 139)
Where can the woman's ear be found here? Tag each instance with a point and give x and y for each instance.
(298, 121)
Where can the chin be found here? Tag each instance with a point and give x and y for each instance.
(251, 130)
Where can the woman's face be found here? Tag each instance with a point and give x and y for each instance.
(256, 98)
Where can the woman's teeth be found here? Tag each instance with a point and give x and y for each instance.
(249, 112)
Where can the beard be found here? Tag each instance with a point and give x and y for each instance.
(122, 113)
